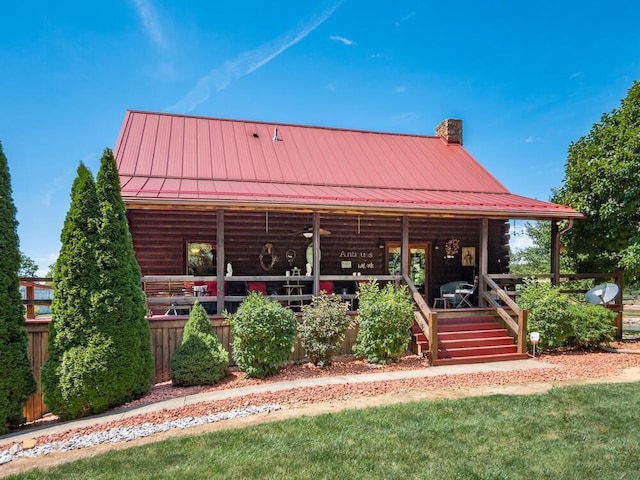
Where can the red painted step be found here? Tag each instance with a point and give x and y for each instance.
(476, 350)
(470, 339)
(480, 359)
(474, 342)
(464, 334)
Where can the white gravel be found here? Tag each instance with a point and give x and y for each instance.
(125, 434)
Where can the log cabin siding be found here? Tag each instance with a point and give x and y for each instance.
(160, 236)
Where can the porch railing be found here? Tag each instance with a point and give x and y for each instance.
(510, 285)
(425, 317)
(170, 294)
(517, 327)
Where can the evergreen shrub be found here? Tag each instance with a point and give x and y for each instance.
(200, 359)
(385, 317)
(323, 328)
(263, 335)
(16, 380)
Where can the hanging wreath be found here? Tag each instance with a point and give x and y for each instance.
(452, 247)
(267, 258)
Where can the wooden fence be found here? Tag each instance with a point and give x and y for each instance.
(166, 335)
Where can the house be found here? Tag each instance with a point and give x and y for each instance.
(251, 194)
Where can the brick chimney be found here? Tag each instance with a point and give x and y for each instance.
(451, 130)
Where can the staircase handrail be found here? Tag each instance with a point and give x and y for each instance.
(426, 318)
(518, 328)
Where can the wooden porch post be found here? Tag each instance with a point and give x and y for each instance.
(404, 250)
(220, 268)
(316, 253)
(483, 261)
(555, 253)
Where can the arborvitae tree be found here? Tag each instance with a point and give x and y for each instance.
(200, 359)
(69, 380)
(16, 381)
(119, 303)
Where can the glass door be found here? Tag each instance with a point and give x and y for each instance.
(418, 267)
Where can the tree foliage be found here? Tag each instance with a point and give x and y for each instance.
(72, 329)
(120, 301)
(99, 339)
(536, 259)
(28, 268)
(601, 182)
(16, 381)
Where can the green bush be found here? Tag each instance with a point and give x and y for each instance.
(200, 359)
(562, 323)
(323, 328)
(263, 335)
(385, 318)
(548, 313)
(592, 325)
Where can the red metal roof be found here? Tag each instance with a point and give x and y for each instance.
(166, 158)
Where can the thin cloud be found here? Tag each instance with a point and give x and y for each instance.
(405, 18)
(219, 78)
(400, 89)
(344, 41)
(150, 22)
(529, 139)
(404, 117)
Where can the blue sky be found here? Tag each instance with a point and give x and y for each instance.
(526, 78)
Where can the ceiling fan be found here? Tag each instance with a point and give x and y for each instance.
(307, 232)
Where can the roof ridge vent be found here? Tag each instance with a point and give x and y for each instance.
(276, 138)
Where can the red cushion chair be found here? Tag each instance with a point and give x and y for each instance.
(257, 287)
(212, 288)
(326, 286)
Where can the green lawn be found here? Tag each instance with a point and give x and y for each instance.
(578, 432)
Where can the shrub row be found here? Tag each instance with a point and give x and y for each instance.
(264, 332)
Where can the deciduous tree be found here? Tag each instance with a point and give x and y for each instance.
(601, 180)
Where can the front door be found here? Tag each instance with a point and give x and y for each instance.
(419, 262)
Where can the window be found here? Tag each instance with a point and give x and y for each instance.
(201, 258)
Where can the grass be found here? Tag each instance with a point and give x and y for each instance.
(575, 432)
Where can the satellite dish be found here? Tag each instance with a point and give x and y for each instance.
(602, 294)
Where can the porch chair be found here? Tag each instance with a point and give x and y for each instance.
(326, 286)
(464, 292)
(456, 294)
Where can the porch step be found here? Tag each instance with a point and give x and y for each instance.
(473, 342)
(470, 339)
(480, 359)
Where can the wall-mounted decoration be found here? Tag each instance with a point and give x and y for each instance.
(201, 258)
(267, 257)
(451, 248)
(468, 256)
(290, 255)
